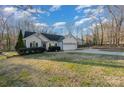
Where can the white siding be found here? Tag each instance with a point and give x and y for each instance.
(69, 46)
(70, 40)
(40, 41)
(69, 43)
(43, 38)
(31, 39)
(52, 44)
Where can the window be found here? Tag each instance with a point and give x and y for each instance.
(44, 45)
(55, 44)
(25, 42)
(30, 45)
(36, 44)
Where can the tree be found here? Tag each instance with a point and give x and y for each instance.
(117, 15)
(70, 28)
(20, 43)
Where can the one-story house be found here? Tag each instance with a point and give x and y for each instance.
(37, 39)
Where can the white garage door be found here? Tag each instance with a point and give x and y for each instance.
(67, 46)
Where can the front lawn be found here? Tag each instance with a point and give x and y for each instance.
(113, 49)
(5, 55)
(62, 69)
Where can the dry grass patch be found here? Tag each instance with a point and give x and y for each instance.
(61, 69)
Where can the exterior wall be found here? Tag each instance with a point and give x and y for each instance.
(69, 46)
(47, 45)
(70, 40)
(69, 43)
(31, 39)
(52, 44)
(43, 38)
(40, 41)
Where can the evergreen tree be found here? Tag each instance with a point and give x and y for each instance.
(20, 43)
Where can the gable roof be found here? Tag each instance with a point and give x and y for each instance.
(51, 37)
(28, 33)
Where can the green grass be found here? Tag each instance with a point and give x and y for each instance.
(113, 50)
(62, 69)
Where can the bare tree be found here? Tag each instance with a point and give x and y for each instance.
(117, 15)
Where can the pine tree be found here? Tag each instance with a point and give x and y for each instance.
(20, 43)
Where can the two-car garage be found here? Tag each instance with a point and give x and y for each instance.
(71, 46)
(69, 43)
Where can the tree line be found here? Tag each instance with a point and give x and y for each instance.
(109, 33)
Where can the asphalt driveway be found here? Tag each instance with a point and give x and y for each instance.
(97, 51)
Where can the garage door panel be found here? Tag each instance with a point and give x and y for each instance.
(69, 46)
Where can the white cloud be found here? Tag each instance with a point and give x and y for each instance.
(104, 20)
(99, 10)
(76, 17)
(79, 8)
(55, 8)
(83, 20)
(57, 24)
(87, 10)
(36, 11)
(9, 9)
(34, 18)
(41, 24)
(93, 25)
(22, 14)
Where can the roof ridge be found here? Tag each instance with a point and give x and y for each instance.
(51, 34)
(52, 37)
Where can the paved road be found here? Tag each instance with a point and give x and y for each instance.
(97, 51)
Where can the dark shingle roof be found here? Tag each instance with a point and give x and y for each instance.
(51, 37)
(28, 33)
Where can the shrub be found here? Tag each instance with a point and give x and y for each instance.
(54, 48)
(0, 52)
(20, 43)
(24, 51)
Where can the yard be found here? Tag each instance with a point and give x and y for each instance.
(114, 50)
(62, 69)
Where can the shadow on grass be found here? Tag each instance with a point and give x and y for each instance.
(113, 57)
(94, 63)
(16, 76)
(91, 62)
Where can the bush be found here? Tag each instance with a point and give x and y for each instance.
(0, 51)
(20, 43)
(25, 51)
(54, 48)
